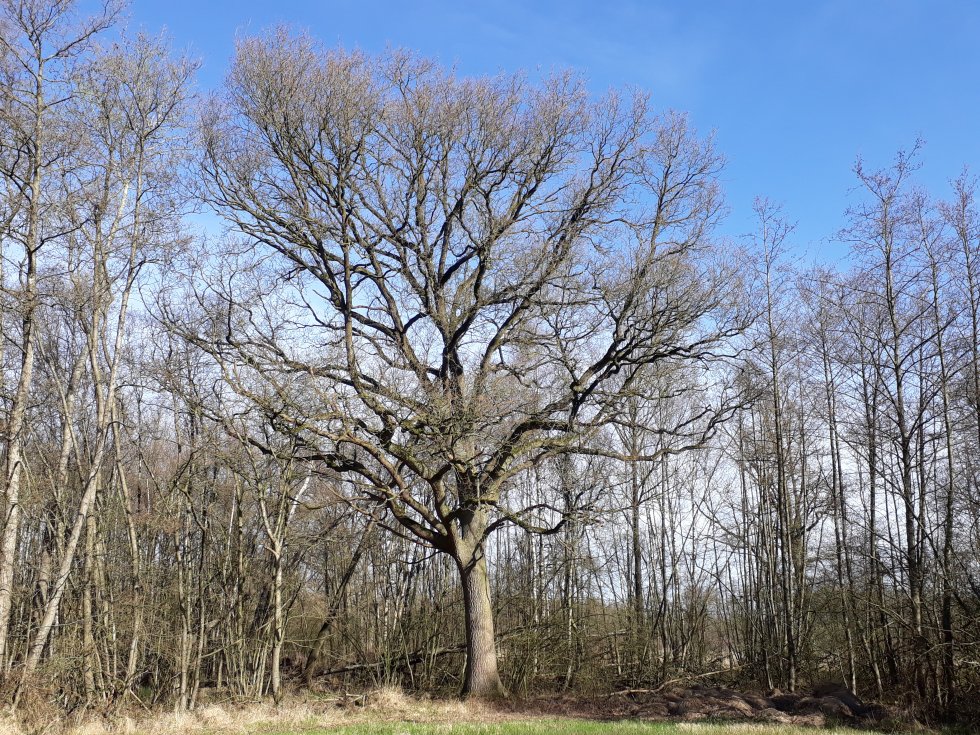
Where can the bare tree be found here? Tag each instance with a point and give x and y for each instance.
(129, 102)
(40, 42)
(485, 266)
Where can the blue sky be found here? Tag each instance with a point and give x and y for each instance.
(794, 91)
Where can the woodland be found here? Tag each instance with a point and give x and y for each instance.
(355, 372)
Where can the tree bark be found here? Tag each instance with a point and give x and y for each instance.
(481, 679)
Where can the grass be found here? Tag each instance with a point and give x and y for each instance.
(390, 712)
(548, 726)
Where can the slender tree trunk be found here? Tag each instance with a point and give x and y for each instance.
(15, 422)
(948, 680)
(54, 527)
(88, 634)
(838, 507)
(184, 604)
(639, 611)
(132, 658)
(278, 623)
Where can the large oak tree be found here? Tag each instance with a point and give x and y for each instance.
(457, 279)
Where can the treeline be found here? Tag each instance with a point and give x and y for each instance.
(466, 395)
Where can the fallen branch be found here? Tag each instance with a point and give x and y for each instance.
(669, 682)
(411, 659)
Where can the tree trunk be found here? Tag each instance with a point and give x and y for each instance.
(88, 632)
(278, 623)
(14, 438)
(481, 679)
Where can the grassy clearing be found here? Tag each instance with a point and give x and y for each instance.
(547, 726)
(386, 712)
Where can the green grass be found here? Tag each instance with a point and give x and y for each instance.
(561, 727)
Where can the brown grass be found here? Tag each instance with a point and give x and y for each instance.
(304, 712)
(300, 712)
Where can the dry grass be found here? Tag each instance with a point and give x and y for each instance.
(302, 714)
(382, 712)
(562, 726)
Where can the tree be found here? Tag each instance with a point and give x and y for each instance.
(40, 43)
(131, 99)
(771, 241)
(469, 275)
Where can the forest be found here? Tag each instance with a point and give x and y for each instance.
(356, 372)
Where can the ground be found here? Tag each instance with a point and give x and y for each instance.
(690, 711)
(546, 726)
